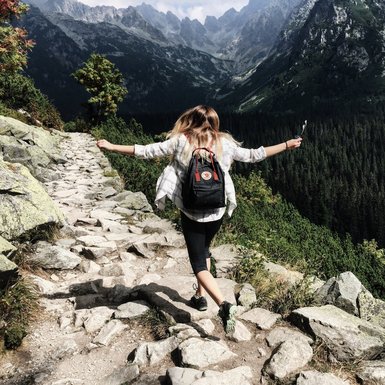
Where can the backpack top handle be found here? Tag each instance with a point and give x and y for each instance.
(212, 155)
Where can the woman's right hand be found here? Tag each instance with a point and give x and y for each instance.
(104, 144)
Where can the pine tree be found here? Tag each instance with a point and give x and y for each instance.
(104, 82)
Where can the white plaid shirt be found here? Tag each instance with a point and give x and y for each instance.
(169, 184)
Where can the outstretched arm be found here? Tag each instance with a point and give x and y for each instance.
(288, 145)
(106, 145)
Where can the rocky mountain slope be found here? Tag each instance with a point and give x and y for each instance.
(158, 78)
(329, 51)
(114, 263)
(168, 64)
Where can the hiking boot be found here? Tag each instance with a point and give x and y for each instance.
(198, 302)
(227, 313)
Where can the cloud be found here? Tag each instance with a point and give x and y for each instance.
(194, 9)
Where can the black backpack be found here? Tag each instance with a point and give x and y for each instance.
(204, 185)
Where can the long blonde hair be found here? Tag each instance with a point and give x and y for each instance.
(200, 124)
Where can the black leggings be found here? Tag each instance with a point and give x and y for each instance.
(198, 236)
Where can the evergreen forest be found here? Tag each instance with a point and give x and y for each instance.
(335, 179)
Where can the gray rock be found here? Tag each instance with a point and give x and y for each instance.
(264, 319)
(371, 309)
(91, 267)
(113, 226)
(313, 377)
(25, 205)
(372, 372)
(97, 318)
(132, 310)
(245, 295)
(183, 376)
(205, 325)
(241, 333)
(282, 334)
(283, 274)
(8, 271)
(91, 240)
(96, 252)
(122, 375)
(150, 353)
(289, 358)
(347, 336)
(199, 353)
(133, 201)
(142, 250)
(55, 257)
(342, 292)
(108, 332)
(45, 287)
(183, 331)
(187, 376)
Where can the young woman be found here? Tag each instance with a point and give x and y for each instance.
(199, 127)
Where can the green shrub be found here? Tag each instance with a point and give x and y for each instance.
(17, 305)
(77, 125)
(19, 92)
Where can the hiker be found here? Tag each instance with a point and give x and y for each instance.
(198, 127)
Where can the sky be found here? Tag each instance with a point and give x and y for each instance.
(194, 9)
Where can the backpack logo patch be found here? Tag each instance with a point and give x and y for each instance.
(206, 175)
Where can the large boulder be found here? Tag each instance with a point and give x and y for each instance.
(347, 337)
(341, 291)
(25, 205)
(347, 292)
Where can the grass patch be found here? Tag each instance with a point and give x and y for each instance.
(158, 323)
(273, 293)
(18, 303)
(346, 370)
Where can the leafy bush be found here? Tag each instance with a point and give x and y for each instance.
(19, 92)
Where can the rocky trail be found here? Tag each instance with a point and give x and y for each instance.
(115, 267)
